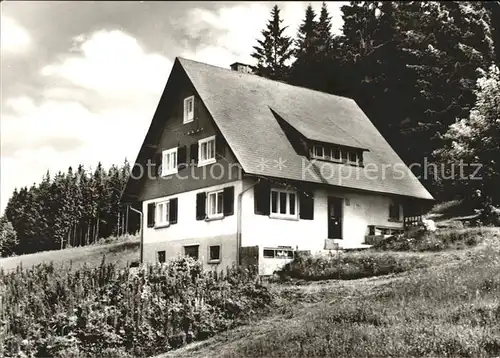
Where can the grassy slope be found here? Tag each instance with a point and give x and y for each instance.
(121, 252)
(450, 308)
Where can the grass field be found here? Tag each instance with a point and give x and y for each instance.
(450, 307)
(122, 251)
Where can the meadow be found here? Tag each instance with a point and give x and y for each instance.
(422, 300)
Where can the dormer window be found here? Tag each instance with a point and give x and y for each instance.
(318, 152)
(188, 109)
(337, 154)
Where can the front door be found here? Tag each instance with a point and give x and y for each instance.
(334, 218)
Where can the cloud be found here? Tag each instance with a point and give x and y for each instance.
(97, 105)
(228, 34)
(14, 38)
(112, 63)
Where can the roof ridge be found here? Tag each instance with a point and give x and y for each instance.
(265, 78)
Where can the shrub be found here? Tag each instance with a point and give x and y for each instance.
(85, 312)
(347, 266)
(442, 239)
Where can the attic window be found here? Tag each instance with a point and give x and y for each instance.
(188, 109)
(336, 154)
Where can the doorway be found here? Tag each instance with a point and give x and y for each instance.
(334, 218)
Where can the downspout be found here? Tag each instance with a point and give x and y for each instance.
(238, 229)
(141, 234)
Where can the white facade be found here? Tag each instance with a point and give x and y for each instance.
(358, 211)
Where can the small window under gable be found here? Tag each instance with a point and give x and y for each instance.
(169, 162)
(206, 148)
(188, 109)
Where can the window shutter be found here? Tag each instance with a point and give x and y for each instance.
(151, 214)
(200, 206)
(172, 211)
(262, 198)
(194, 153)
(181, 157)
(228, 198)
(306, 203)
(158, 162)
(220, 146)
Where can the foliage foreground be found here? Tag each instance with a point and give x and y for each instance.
(449, 309)
(108, 311)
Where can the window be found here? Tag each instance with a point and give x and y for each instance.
(353, 158)
(206, 149)
(214, 253)
(188, 109)
(191, 251)
(318, 152)
(161, 256)
(278, 253)
(283, 203)
(215, 204)
(335, 153)
(169, 163)
(162, 213)
(394, 212)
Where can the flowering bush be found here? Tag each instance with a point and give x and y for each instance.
(346, 266)
(107, 311)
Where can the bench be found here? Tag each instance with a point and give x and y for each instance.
(377, 233)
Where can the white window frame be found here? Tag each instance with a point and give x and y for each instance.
(206, 161)
(314, 155)
(188, 116)
(166, 155)
(210, 259)
(215, 194)
(349, 161)
(162, 207)
(287, 215)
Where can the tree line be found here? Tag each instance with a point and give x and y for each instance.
(65, 210)
(425, 73)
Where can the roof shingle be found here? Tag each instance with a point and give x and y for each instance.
(241, 104)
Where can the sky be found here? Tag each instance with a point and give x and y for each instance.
(80, 81)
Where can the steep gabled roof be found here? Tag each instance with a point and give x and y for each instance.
(241, 106)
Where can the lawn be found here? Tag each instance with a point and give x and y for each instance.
(120, 251)
(448, 307)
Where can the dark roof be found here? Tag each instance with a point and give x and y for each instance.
(241, 104)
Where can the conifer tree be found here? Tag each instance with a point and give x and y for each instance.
(274, 51)
(304, 71)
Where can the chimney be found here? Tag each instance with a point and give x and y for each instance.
(241, 67)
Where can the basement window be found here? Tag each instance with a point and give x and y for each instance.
(188, 109)
(161, 256)
(214, 253)
(191, 251)
(278, 253)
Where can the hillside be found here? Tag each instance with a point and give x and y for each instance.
(120, 252)
(451, 307)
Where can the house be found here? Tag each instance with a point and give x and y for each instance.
(239, 169)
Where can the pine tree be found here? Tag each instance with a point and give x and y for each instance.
(304, 71)
(274, 51)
